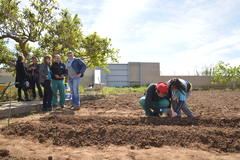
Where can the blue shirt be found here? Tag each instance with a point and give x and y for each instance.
(69, 62)
(181, 94)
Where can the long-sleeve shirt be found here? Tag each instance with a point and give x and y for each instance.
(182, 94)
(33, 71)
(58, 69)
(151, 95)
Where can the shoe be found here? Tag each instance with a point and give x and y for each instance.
(76, 108)
(54, 106)
(27, 100)
(155, 114)
(49, 109)
(20, 100)
(44, 109)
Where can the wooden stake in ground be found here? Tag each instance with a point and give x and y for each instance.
(10, 105)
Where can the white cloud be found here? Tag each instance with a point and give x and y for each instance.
(115, 15)
(182, 35)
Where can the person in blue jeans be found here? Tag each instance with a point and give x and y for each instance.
(180, 90)
(155, 100)
(76, 68)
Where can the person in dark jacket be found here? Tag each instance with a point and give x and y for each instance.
(76, 69)
(58, 70)
(33, 71)
(155, 100)
(45, 80)
(180, 90)
(21, 78)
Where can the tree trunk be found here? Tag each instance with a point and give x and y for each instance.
(23, 47)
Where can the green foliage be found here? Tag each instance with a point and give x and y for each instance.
(27, 24)
(97, 51)
(115, 90)
(65, 34)
(6, 56)
(224, 73)
(54, 32)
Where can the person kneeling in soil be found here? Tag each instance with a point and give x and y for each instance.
(180, 90)
(156, 100)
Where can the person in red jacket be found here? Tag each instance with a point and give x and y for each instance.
(156, 100)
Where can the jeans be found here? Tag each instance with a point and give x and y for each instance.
(47, 97)
(181, 106)
(74, 84)
(161, 104)
(58, 85)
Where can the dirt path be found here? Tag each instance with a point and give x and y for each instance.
(33, 150)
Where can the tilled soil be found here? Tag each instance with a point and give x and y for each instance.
(140, 132)
(217, 128)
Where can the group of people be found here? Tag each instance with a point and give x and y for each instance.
(50, 75)
(159, 98)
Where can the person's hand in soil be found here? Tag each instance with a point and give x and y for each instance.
(169, 112)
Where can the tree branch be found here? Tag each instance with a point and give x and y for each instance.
(8, 35)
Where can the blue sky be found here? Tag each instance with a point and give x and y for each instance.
(183, 35)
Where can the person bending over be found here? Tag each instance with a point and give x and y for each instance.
(155, 100)
(180, 90)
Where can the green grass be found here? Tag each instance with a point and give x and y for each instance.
(116, 90)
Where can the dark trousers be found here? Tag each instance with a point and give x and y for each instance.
(33, 84)
(20, 93)
(47, 97)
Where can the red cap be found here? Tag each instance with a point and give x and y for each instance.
(162, 87)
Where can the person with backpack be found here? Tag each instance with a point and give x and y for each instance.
(76, 68)
(155, 101)
(180, 90)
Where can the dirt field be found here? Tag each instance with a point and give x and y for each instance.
(116, 128)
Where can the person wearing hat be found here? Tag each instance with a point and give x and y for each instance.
(156, 100)
(180, 90)
(33, 71)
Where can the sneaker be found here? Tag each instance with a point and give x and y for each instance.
(76, 108)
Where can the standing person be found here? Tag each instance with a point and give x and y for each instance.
(155, 100)
(45, 80)
(33, 71)
(21, 78)
(76, 69)
(180, 90)
(58, 70)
